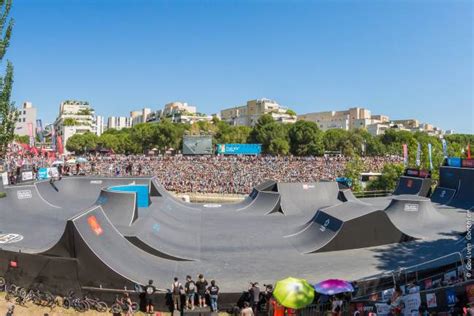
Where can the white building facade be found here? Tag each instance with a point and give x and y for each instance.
(26, 116)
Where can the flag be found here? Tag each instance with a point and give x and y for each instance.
(39, 130)
(53, 138)
(468, 150)
(445, 148)
(30, 133)
(429, 155)
(59, 145)
(405, 154)
(418, 155)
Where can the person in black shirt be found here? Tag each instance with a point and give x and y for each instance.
(190, 287)
(254, 292)
(201, 285)
(213, 294)
(150, 289)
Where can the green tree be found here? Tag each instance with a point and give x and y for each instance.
(22, 139)
(291, 112)
(272, 135)
(305, 139)
(70, 122)
(143, 135)
(388, 180)
(353, 170)
(81, 143)
(8, 112)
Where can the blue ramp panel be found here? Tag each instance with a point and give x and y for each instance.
(143, 199)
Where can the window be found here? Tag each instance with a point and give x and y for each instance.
(24, 112)
(24, 120)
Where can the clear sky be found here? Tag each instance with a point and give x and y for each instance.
(405, 59)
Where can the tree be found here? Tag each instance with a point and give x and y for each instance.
(388, 180)
(306, 139)
(353, 170)
(143, 134)
(81, 143)
(8, 112)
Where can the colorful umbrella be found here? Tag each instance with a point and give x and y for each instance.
(293, 293)
(333, 286)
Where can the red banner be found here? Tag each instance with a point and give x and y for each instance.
(59, 145)
(467, 163)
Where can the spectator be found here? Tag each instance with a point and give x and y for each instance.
(190, 287)
(176, 290)
(254, 292)
(149, 291)
(247, 310)
(201, 285)
(213, 295)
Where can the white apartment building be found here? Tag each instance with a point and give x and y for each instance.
(250, 113)
(139, 116)
(26, 116)
(75, 117)
(100, 125)
(118, 122)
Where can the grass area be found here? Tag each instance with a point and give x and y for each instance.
(2, 195)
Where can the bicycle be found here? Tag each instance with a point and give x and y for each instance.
(120, 306)
(96, 304)
(71, 301)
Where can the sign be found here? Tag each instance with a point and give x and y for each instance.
(467, 163)
(43, 173)
(239, 149)
(308, 186)
(410, 207)
(382, 309)
(96, 181)
(23, 194)
(212, 205)
(470, 293)
(197, 145)
(10, 238)
(387, 295)
(94, 225)
(450, 297)
(412, 304)
(5, 178)
(431, 300)
(27, 176)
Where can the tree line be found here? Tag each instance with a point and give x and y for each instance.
(303, 138)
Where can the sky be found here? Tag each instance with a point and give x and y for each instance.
(405, 59)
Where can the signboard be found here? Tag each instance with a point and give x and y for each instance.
(382, 309)
(454, 162)
(470, 293)
(27, 175)
(450, 297)
(239, 149)
(43, 173)
(23, 194)
(410, 207)
(5, 178)
(197, 145)
(467, 163)
(431, 300)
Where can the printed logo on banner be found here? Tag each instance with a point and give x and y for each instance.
(96, 181)
(308, 186)
(27, 175)
(382, 309)
(94, 225)
(409, 183)
(431, 300)
(23, 194)
(212, 205)
(410, 207)
(10, 238)
(325, 225)
(450, 297)
(412, 304)
(443, 194)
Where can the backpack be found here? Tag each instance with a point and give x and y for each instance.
(176, 288)
(191, 286)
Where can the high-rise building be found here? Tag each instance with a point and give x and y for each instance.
(118, 122)
(75, 117)
(100, 125)
(250, 113)
(139, 116)
(27, 116)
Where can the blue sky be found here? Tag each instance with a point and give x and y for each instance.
(406, 59)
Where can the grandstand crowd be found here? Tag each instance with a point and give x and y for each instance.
(208, 174)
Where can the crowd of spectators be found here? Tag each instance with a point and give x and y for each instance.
(211, 174)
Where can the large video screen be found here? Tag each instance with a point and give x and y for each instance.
(197, 145)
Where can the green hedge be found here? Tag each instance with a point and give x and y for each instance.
(2, 195)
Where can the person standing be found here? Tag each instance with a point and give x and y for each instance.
(254, 292)
(190, 288)
(247, 310)
(150, 289)
(213, 295)
(201, 286)
(176, 289)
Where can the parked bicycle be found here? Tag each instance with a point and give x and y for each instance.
(120, 305)
(71, 301)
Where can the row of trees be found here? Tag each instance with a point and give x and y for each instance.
(303, 138)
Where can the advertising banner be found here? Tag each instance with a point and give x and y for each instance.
(431, 300)
(5, 178)
(405, 154)
(197, 145)
(239, 149)
(450, 297)
(43, 174)
(412, 303)
(39, 130)
(418, 155)
(454, 162)
(430, 156)
(445, 147)
(467, 163)
(27, 175)
(470, 293)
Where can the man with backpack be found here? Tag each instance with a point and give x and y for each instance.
(176, 291)
(190, 288)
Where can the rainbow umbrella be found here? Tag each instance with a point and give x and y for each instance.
(333, 286)
(293, 293)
